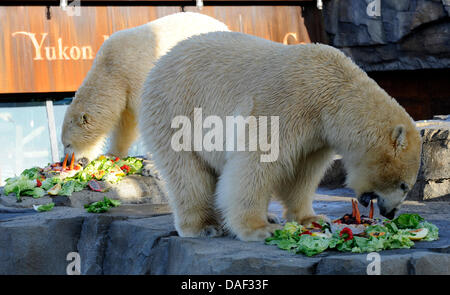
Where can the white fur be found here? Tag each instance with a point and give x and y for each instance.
(110, 93)
(325, 103)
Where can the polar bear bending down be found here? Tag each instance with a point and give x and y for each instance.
(108, 100)
(324, 102)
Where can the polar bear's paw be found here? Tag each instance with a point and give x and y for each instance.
(259, 234)
(212, 231)
(208, 231)
(314, 218)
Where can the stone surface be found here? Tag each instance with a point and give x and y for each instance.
(433, 180)
(404, 35)
(139, 243)
(133, 189)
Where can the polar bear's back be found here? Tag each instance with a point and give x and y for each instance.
(139, 47)
(243, 70)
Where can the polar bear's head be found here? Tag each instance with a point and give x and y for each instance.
(388, 170)
(80, 132)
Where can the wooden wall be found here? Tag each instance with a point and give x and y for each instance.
(38, 54)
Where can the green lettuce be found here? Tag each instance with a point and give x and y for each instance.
(50, 182)
(310, 245)
(410, 221)
(31, 173)
(101, 206)
(44, 208)
(19, 185)
(433, 231)
(67, 188)
(36, 192)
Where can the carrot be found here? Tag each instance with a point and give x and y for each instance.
(72, 161)
(353, 208)
(371, 209)
(65, 162)
(358, 216)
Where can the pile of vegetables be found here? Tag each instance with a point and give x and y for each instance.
(398, 233)
(32, 182)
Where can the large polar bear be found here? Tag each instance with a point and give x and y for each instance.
(324, 103)
(108, 100)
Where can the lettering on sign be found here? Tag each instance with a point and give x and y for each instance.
(59, 51)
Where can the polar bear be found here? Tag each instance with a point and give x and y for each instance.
(107, 102)
(325, 104)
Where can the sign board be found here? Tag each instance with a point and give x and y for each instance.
(49, 50)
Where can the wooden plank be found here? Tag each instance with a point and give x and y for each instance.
(41, 55)
(283, 24)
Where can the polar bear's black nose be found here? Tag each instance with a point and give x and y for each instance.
(366, 198)
(391, 214)
(83, 161)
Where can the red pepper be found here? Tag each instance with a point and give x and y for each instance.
(126, 168)
(348, 232)
(306, 233)
(117, 159)
(38, 183)
(316, 225)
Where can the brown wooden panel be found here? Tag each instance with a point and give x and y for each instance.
(283, 24)
(41, 55)
(53, 55)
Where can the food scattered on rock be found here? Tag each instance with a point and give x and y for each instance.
(101, 206)
(63, 180)
(347, 234)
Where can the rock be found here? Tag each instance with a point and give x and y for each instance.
(131, 244)
(433, 180)
(27, 202)
(228, 256)
(405, 35)
(133, 189)
(39, 243)
(139, 244)
(357, 264)
(424, 263)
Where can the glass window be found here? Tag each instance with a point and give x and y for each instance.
(25, 139)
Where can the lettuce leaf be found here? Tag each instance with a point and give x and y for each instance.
(310, 245)
(31, 173)
(44, 208)
(410, 221)
(48, 183)
(67, 188)
(101, 206)
(433, 231)
(19, 185)
(36, 192)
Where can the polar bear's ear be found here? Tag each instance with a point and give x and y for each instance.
(399, 136)
(83, 119)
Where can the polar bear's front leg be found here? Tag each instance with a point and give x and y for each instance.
(298, 193)
(125, 133)
(243, 197)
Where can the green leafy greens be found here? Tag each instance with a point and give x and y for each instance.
(394, 234)
(101, 206)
